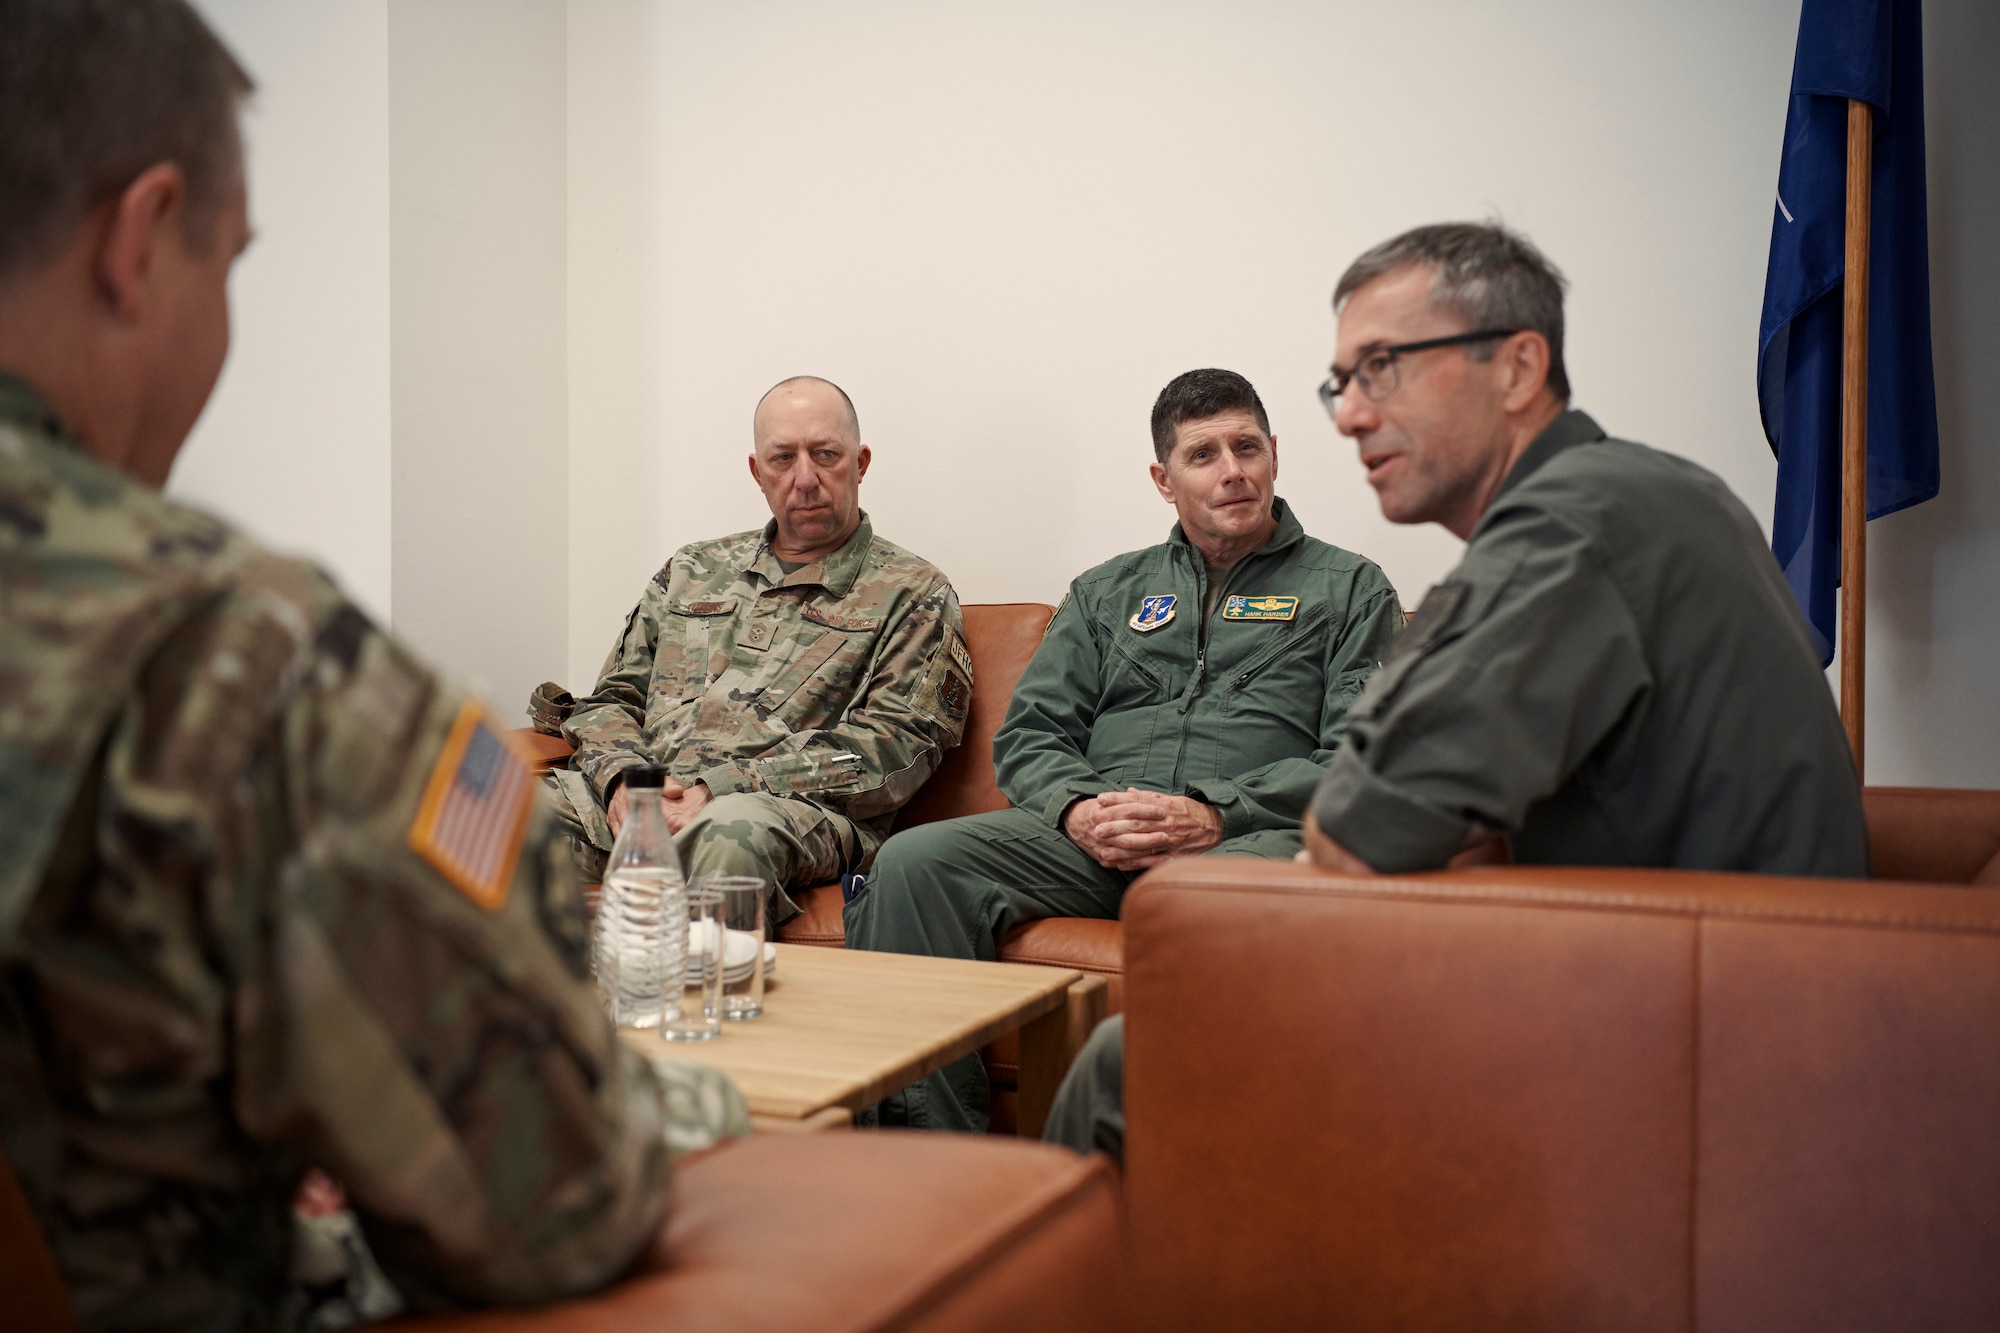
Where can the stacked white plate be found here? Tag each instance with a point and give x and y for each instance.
(739, 951)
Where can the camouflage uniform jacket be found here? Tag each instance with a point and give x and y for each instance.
(229, 950)
(843, 682)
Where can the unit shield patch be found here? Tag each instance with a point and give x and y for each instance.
(1154, 612)
(1260, 608)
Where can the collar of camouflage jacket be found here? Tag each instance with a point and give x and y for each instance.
(1567, 431)
(836, 573)
(22, 406)
(1289, 533)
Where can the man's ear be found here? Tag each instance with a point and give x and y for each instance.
(146, 215)
(1274, 458)
(755, 475)
(861, 461)
(1166, 488)
(1524, 369)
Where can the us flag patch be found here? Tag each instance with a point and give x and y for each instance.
(474, 809)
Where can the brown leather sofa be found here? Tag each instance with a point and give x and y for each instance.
(808, 1233)
(1579, 1099)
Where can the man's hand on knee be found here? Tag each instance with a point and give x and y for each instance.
(681, 804)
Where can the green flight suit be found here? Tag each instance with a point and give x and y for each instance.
(1242, 710)
(1615, 674)
(231, 948)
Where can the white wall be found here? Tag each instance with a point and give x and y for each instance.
(617, 221)
(478, 312)
(1934, 570)
(1003, 229)
(295, 444)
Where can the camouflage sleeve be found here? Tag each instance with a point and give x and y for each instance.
(415, 1016)
(607, 726)
(891, 736)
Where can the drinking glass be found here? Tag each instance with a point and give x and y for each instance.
(693, 1011)
(741, 912)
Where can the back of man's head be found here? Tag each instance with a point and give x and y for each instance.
(1196, 395)
(1486, 275)
(93, 92)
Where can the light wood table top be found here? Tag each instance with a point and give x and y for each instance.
(842, 1028)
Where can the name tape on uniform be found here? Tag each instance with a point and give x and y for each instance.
(1259, 608)
(474, 810)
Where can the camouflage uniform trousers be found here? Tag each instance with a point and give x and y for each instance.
(785, 841)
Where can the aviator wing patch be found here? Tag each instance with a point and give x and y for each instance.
(474, 810)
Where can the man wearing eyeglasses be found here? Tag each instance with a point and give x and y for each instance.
(1615, 673)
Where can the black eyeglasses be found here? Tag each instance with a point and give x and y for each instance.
(1376, 374)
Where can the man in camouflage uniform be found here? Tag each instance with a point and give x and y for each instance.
(274, 897)
(799, 683)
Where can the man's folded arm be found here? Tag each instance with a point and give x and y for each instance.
(1276, 795)
(891, 738)
(607, 726)
(1536, 663)
(1039, 753)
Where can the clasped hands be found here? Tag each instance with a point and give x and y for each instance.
(1133, 829)
(679, 804)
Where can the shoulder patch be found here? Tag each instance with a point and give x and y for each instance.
(1423, 625)
(475, 809)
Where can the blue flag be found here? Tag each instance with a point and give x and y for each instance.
(1871, 50)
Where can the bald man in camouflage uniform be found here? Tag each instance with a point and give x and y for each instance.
(799, 683)
(274, 896)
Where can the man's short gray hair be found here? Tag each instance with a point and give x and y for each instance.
(93, 92)
(1485, 274)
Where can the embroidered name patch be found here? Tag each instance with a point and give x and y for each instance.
(1259, 608)
(832, 621)
(475, 807)
(1153, 612)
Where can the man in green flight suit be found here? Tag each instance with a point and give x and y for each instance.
(1615, 673)
(1185, 699)
(799, 682)
(274, 897)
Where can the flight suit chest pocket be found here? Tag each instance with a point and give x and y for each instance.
(684, 663)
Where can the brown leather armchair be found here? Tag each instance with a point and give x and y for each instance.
(1579, 1099)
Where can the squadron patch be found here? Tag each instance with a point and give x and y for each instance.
(1153, 612)
(1259, 608)
(475, 807)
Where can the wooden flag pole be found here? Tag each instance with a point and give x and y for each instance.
(1854, 434)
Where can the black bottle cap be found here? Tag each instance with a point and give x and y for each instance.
(645, 775)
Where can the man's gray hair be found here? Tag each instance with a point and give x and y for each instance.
(1483, 273)
(93, 92)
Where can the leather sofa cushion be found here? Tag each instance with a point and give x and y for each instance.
(1560, 1098)
(846, 1232)
(1938, 834)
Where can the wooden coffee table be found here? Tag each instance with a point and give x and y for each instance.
(842, 1028)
